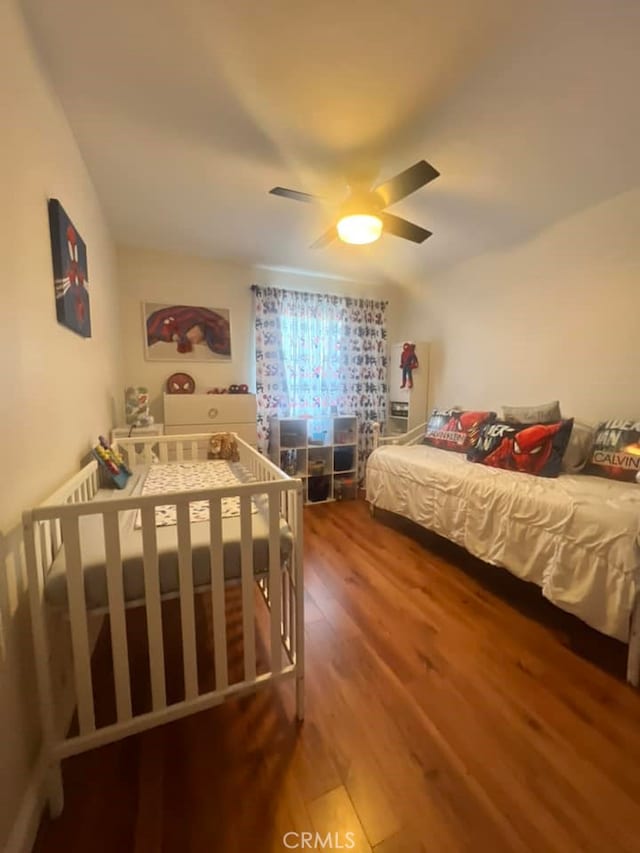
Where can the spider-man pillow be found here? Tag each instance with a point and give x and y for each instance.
(616, 451)
(455, 429)
(530, 448)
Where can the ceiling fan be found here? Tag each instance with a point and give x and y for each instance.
(362, 216)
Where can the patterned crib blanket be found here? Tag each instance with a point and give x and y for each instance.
(184, 476)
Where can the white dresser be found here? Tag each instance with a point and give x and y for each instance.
(190, 413)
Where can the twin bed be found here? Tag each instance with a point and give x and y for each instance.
(197, 527)
(575, 536)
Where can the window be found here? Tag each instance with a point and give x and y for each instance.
(318, 354)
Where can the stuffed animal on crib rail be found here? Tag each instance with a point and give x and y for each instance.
(223, 445)
(408, 363)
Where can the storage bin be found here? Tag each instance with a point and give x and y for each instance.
(316, 467)
(291, 438)
(343, 459)
(289, 462)
(344, 488)
(319, 489)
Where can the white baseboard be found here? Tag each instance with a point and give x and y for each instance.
(25, 828)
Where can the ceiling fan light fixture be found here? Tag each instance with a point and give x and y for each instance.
(363, 217)
(359, 228)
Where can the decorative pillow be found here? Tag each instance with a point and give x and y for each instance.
(455, 429)
(579, 448)
(616, 450)
(530, 448)
(545, 413)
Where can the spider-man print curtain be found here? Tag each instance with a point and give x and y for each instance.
(318, 355)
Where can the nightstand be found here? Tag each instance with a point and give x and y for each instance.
(123, 432)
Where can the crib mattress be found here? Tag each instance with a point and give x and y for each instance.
(93, 554)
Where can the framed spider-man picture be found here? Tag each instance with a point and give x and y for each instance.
(186, 333)
(70, 271)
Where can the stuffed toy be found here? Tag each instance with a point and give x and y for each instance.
(408, 363)
(136, 404)
(223, 445)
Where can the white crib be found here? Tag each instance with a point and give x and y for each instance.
(57, 525)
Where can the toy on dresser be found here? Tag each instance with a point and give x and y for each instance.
(232, 389)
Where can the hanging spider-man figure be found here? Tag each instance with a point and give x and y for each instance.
(528, 450)
(408, 363)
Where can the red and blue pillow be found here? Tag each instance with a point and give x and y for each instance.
(455, 429)
(529, 448)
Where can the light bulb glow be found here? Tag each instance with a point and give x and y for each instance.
(359, 228)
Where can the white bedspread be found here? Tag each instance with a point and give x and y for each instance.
(577, 537)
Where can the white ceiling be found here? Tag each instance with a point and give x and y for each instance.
(187, 113)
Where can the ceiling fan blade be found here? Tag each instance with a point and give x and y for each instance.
(328, 237)
(407, 182)
(402, 228)
(296, 195)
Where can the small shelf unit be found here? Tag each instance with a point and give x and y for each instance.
(323, 452)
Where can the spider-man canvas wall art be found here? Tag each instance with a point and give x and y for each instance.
(186, 333)
(70, 273)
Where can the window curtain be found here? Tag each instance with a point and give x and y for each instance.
(319, 355)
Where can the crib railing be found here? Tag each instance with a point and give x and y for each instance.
(145, 449)
(57, 522)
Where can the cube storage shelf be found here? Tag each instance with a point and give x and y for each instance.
(323, 452)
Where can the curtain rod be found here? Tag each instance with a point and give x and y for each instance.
(255, 287)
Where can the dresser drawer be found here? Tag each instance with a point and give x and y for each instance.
(247, 432)
(183, 409)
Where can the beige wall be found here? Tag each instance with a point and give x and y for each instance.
(553, 317)
(164, 277)
(56, 388)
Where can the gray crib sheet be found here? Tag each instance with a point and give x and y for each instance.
(93, 554)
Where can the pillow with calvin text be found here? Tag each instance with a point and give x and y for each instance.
(455, 429)
(529, 448)
(616, 451)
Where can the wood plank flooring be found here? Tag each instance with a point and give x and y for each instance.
(449, 708)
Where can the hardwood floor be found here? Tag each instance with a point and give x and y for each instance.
(449, 707)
